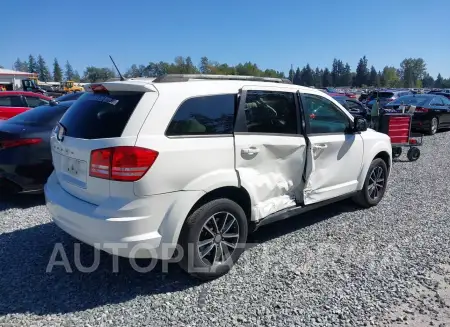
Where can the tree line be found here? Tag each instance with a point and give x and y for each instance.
(411, 73)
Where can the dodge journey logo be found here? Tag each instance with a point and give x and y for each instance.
(60, 133)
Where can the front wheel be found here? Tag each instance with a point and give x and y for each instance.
(374, 185)
(213, 238)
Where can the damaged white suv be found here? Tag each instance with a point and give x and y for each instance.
(186, 166)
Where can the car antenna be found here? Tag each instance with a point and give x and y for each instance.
(118, 71)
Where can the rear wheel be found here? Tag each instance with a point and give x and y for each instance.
(374, 186)
(434, 125)
(413, 154)
(213, 238)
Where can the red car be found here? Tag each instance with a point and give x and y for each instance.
(13, 103)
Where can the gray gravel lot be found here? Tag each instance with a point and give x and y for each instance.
(335, 266)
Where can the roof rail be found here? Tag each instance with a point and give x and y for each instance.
(187, 77)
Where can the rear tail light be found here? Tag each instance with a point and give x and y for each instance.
(123, 163)
(18, 142)
(420, 109)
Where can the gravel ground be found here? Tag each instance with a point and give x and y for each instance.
(335, 266)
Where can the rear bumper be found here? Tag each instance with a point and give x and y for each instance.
(128, 228)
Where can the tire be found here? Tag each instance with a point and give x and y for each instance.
(396, 152)
(194, 232)
(413, 153)
(434, 126)
(365, 197)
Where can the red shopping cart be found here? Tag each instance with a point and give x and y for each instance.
(398, 127)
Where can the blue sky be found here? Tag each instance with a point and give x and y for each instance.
(273, 34)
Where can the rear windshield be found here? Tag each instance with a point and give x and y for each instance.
(97, 116)
(415, 100)
(42, 116)
(69, 97)
(383, 95)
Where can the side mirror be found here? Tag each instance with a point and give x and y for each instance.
(359, 125)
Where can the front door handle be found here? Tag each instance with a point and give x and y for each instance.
(250, 150)
(320, 146)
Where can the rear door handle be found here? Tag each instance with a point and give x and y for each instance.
(250, 150)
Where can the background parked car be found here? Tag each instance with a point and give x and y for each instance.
(385, 96)
(432, 111)
(25, 155)
(445, 94)
(13, 103)
(353, 106)
(69, 96)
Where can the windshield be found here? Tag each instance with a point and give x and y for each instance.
(42, 115)
(415, 100)
(382, 95)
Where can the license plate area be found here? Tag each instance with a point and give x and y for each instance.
(75, 168)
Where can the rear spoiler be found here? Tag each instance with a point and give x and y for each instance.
(128, 85)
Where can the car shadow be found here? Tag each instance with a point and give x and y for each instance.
(292, 224)
(20, 201)
(26, 285)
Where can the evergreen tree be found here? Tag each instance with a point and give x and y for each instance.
(57, 71)
(43, 72)
(362, 72)
(68, 74)
(32, 65)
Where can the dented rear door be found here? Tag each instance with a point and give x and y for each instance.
(270, 150)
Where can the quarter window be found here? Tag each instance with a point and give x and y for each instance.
(35, 102)
(271, 112)
(324, 116)
(208, 115)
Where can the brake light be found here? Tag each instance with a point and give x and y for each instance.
(123, 163)
(98, 88)
(390, 99)
(420, 109)
(18, 142)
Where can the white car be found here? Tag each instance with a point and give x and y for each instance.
(195, 163)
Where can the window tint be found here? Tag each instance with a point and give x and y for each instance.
(416, 100)
(96, 116)
(204, 115)
(11, 101)
(35, 101)
(271, 112)
(324, 116)
(43, 115)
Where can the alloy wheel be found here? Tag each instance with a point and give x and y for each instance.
(434, 125)
(376, 183)
(218, 238)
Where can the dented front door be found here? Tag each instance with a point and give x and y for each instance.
(269, 149)
(335, 155)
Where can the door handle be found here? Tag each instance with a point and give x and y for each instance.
(320, 146)
(250, 150)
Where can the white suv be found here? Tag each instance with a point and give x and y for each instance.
(194, 163)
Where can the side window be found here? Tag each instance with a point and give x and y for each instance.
(354, 106)
(11, 101)
(271, 112)
(204, 115)
(324, 116)
(437, 101)
(446, 101)
(35, 102)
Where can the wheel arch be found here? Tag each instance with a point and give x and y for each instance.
(378, 151)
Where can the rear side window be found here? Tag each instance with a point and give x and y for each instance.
(97, 116)
(204, 115)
